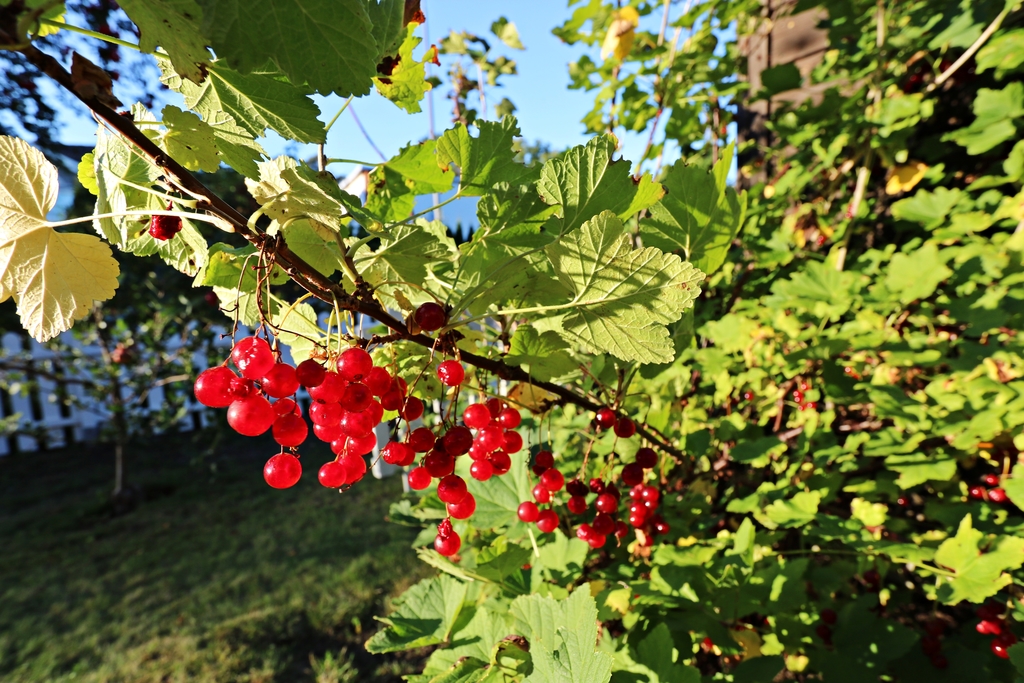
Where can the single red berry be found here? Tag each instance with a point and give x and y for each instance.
(748, 395)
(430, 317)
(451, 373)
(330, 388)
(253, 357)
(501, 462)
(325, 413)
(903, 501)
(458, 440)
(491, 438)
(978, 493)
(354, 364)
(577, 505)
(646, 458)
(280, 381)
(213, 387)
(798, 396)
(829, 616)
(495, 405)
(481, 470)
(575, 487)
(332, 475)
(997, 495)
(419, 478)
(376, 412)
(621, 529)
(164, 228)
(632, 474)
(547, 521)
(449, 545)
(212, 299)
(310, 373)
(452, 489)
(661, 527)
(541, 494)
(513, 442)
(355, 425)
(395, 453)
(510, 418)
(361, 445)
(290, 430)
(595, 485)
(603, 524)
(282, 471)
(1000, 649)
(464, 509)
(624, 428)
(552, 480)
(327, 433)
(544, 459)
(476, 416)
(421, 439)
(392, 400)
(596, 540)
(439, 463)
(605, 418)
(378, 380)
(356, 397)
(583, 531)
(251, 416)
(355, 467)
(607, 503)
(412, 410)
(528, 511)
(990, 480)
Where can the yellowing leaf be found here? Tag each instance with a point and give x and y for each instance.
(904, 177)
(54, 277)
(534, 399)
(621, 34)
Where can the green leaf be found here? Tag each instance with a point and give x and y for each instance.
(235, 145)
(387, 17)
(699, 214)
(296, 327)
(501, 559)
(1004, 53)
(819, 289)
(406, 254)
(189, 140)
(585, 181)
(543, 354)
(393, 186)
(315, 244)
(174, 26)
(867, 513)
(563, 638)
(406, 84)
(498, 498)
(622, 297)
(994, 112)
(781, 78)
(256, 101)
(917, 468)
(328, 44)
(980, 567)
(507, 33)
(930, 209)
(1016, 652)
(657, 653)
(916, 276)
(562, 557)
(485, 160)
(801, 509)
(54, 277)
(1014, 485)
(424, 616)
(290, 189)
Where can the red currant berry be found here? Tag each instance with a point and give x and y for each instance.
(596, 540)
(392, 400)
(332, 475)
(544, 459)
(748, 396)
(327, 433)
(280, 381)
(528, 511)
(632, 474)
(355, 424)
(164, 228)
(1000, 650)
(354, 364)
(421, 439)
(605, 418)
(595, 485)
(356, 397)
(395, 453)
(552, 480)
(500, 462)
(419, 478)
(290, 430)
(253, 357)
(990, 627)
(491, 438)
(997, 495)
(481, 470)
(451, 489)
(829, 616)
(624, 428)
(495, 405)
(251, 416)
(547, 521)
(513, 442)
(330, 388)
(355, 467)
(213, 387)
(577, 505)
(621, 529)
(325, 413)
(285, 406)
(649, 494)
(310, 373)
(464, 509)
(457, 440)
(606, 503)
(661, 527)
(376, 413)
(798, 396)
(646, 458)
(448, 545)
(990, 480)
(583, 531)
(603, 524)
(575, 487)
(242, 388)
(439, 464)
(430, 317)
(378, 380)
(978, 493)
(412, 410)
(282, 471)
(541, 494)
(361, 445)
(451, 373)
(476, 416)
(510, 418)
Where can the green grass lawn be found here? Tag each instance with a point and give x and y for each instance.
(214, 576)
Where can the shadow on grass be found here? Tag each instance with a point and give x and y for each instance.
(214, 576)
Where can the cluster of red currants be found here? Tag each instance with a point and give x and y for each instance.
(348, 403)
(993, 624)
(994, 495)
(642, 503)
(495, 437)
(798, 396)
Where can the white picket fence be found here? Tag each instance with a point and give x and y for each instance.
(82, 419)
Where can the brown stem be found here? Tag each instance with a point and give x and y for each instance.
(302, 273)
